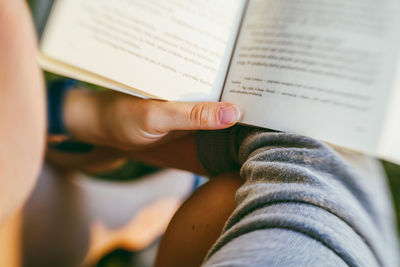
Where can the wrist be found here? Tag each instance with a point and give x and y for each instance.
(81, 115)
(56, 95)
(218, 150)
(59, 134)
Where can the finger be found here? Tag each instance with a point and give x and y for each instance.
(170, 116)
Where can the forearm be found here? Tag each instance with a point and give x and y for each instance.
(180, 153)
(216, 151)
(22, 117)
(78, 137)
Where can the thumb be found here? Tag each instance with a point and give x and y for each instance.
(197, 116)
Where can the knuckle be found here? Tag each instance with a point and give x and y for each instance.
(201, 114)
(147, 117)
(150, 118)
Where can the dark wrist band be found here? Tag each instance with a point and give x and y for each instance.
(56, 92)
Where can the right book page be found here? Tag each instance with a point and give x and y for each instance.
(319, 68)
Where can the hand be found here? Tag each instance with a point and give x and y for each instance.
(130, 123)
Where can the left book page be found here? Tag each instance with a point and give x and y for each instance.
(173, 50)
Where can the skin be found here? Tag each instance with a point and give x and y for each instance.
(123, 126)
(178, 153)
(22, 107)
(198, 223)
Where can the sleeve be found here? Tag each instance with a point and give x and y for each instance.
(302, 204)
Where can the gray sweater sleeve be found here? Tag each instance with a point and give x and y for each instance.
(302, 203)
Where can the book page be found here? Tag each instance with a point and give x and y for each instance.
(319, 68)
(169, 49)
(389, 145)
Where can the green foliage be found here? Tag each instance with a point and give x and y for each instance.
(393, 173)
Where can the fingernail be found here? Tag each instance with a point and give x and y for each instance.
(228, 114)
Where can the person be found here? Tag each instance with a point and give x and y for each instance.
(302, 203)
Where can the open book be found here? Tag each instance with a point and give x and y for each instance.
(325, 69)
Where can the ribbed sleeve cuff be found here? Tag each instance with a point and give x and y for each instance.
(56, 93)
(218, 150)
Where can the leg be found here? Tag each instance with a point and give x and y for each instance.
(10, 241)
(199, 222)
